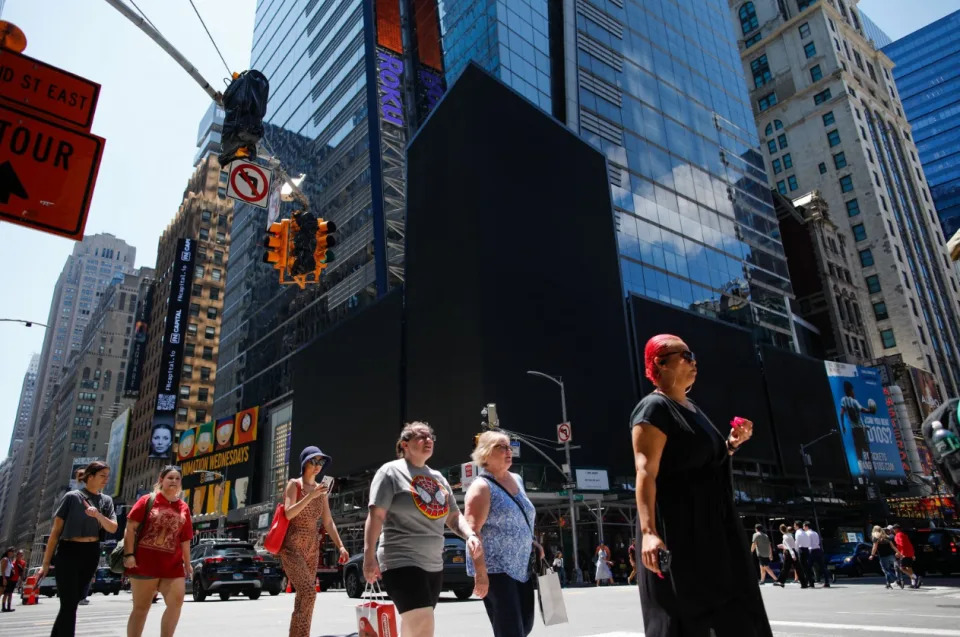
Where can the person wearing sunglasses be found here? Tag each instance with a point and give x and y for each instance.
(410, 504)
(306, 502)
(684, 492)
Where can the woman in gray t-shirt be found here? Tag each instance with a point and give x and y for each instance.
(410, 504)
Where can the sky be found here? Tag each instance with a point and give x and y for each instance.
(148, 112)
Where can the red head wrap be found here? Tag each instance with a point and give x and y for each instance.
(656, 347)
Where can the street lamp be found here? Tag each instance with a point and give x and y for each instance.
(806, 469)
(26, 323)
(568, 474)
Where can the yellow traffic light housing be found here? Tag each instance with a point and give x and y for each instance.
(323, 255)
(278, 246)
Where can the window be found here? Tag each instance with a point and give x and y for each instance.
(888, 339)
(777, 124)
(217, 256)
(803, 4)
(187, 370)
(823, 167)
(880, 311)
(792, 182)
(869, 156)
(829, 119)
(913, 304)
(194, 309)
(203, 394)
(207, 353)
(833, 137)
(859, 232)
(767, 101)
(181, 414)
(876, 178)
(216, 274)
(809, 49)
(804, 30)
(858, 59)
(873, 284)
(761, 71)
(816, 74)
(184, 391)
(201, 415)
(846, 183)
(822, 96)
(753, 39)
(214, 294)
(866, 258)
(873, 74)
(768, 131)
(777, 168)
(205, 215)
(188, 349)
(204, 234)
(204, 373)
(197, 291)
(782, 140)
(839, 160)
(209, 332)
(192, 329)
(787, 161)
(221, 238)
(772, 146)
(198, 272)
(782, 187)
(853, 208)
(211, 312)
(748, 18)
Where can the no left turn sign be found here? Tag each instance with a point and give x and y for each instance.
(249, 183)
(564, 432)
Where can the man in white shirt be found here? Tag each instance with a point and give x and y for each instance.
(803, 550)
(789, 548)
(816, 557)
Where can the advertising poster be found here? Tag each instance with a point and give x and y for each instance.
(246, 427)
(204, 444)
(926, 390)
(864, 423)
(171, 356)
(116, 448)
(138, 345)
(187, 444)
(224, 431)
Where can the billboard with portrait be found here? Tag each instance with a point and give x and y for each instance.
(926, 390)
(116, 448)
(864, 423)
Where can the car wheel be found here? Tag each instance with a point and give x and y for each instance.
(198, 593)
(253, 595)
(224, 597)
(463, 593)
(274, 592)
(352, 584)
(858, 571)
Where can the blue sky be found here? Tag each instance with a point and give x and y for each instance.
(149, 110)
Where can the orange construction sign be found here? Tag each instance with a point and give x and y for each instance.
(47, 172)
(65, 97)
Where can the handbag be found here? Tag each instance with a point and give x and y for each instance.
(116, 556)
(376, 617)
(533, 566)
(273, 540)
(553, 610)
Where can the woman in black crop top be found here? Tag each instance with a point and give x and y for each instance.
(75, 536)
(685, 503)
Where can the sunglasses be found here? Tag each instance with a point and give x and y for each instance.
(430, 437)
(503, 447)
(687, 355)
(317, 462)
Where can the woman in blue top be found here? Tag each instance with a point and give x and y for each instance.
(498, 509)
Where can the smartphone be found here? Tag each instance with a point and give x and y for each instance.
(327, 482)
(664, 559)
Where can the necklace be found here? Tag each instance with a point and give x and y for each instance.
(695, 409)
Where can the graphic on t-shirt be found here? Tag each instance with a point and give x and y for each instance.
(162, 530)
(429, 497)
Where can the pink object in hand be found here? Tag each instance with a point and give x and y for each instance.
(736, 422)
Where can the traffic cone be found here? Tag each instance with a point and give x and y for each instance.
(289, 588)
(318, 583)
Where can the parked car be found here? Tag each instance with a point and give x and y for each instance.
(938, 550)
(850, 558)
(47, 586)
(455, 576)
(106, 581)
(226, 567)
(272, 573)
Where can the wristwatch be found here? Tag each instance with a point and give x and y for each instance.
(126, 555)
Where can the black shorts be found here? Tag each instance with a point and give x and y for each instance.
(906, 562)
(764, 561)
(410, 587)
(10, 588)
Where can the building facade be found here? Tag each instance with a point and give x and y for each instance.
(87, 273)
(204, 217)
(831, 120)
(24, 408)
(927, 74)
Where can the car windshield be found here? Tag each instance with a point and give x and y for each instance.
(234, 550)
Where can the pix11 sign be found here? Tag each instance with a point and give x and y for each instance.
(47, 173)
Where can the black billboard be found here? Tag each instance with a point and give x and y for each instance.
(138, 345)
(171, 357)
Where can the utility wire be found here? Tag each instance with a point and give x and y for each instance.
(227, 66)
(149, 21)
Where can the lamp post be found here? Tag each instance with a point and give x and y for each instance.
(568, 473)
(806, 470)
(26, 323)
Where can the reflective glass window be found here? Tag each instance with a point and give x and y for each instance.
(833, 137)
(804, 30)
(828, 118)
(822, 96)
(873, 283)
(866, 258)
(792, 182)
(859, 232)
(787, 160)
(816, 74)
(809, 49)
(839, 160)
(782, 140)
(888, 339)
(853, 208)
(767, 101)
(880, 311)
(777, 167)
(782, 187)
(822, 167)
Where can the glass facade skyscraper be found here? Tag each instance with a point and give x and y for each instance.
(927, 74)
(657, 87)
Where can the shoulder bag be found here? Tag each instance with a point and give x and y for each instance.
(534, 564)
(116, 557)
(273, 540)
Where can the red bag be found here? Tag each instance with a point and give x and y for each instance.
(376, 617)
(278, 530)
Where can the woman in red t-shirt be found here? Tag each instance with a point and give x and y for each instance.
(159, 559)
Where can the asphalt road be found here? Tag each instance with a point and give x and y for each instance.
(852, 608)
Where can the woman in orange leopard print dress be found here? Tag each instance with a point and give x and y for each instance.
(306, 503)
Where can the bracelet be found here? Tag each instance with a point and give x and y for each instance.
(732, 449)
(126, 555)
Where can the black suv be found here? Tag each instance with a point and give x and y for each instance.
(455, 576)
(227, 567)
(106, 582)
(937, 550)
(272, 573)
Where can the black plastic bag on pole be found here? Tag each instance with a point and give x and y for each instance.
(245, 106)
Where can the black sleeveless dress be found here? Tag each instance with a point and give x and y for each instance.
(711, 589)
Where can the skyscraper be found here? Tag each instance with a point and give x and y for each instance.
(831, 120)
(27, 391)
(927, 74)
(658, 89)
(19, 453)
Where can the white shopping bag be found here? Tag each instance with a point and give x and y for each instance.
(552, 609)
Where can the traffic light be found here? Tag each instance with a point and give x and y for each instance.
(304, 226)
(277, 243)
(476, 440)
(323, 255)
(244, 106)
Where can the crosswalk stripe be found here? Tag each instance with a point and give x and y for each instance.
(897, 630)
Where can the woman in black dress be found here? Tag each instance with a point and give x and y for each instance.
(685, 505)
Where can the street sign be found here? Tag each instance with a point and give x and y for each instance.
(564, 432)
(47, 173)
(248, 183)
(577, 497)
(569, 485)
(59, 95)
(515, 447)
